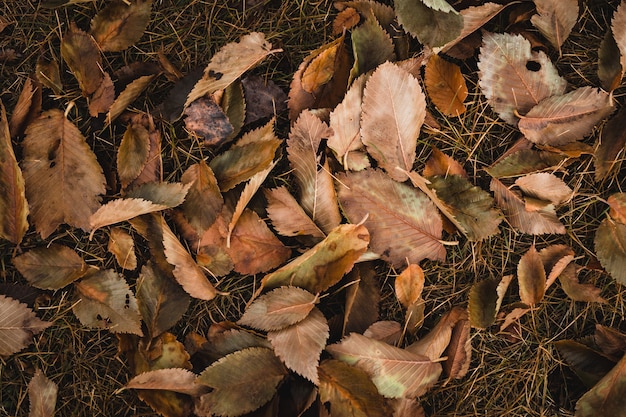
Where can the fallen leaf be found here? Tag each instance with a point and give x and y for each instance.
(153, 169)
(345, 20)
(242, 381)
(611, 342)
(170, 379)
(513, 77)
(288, 217)
(617, 207)
(407, 407)
(577, 291)
(459, 351)
(588, 364)
(562, 119)
(442, 165)
(80, 52)
(433, 344)
(234, 106)
(609, 145)
(433, 23)
(224, 340)
(27, 109)
(389, 206)
(409, 285)
(555, 19)
(126, 97)
(610, 69)
(204, 201)
(105, 301)
(610, 246)
(362, 299)
(350, 391)
(524, 161)
(279, 308)
(618, 27)
(132, 155)
(63, 178)
(103, 98)
(555, 258)
(445, 86)
(13, 204)
(326, 263)
(395, 372)
(122, 246)
(50, 267)
(607, 397)
(322, 68)
(47, 73)
(483, 303)
(120, 24)
(263, 98)
(386, 331)
(545, 186)
(42, 395)
(18, 325)
(208, 121)
(394, 108)
(371, 46)
(531, 277)
(474, 17)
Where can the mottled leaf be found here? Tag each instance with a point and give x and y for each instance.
(432, 23)
(50, 267)
(208, 121)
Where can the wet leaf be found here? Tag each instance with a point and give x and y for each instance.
(120, 24)
(63, 178)
(532, 277)
(50, 267)
(81, 53)
(288, 217)
(18, 325)
(608, 396)
(326, 263)
(433, 23)
(610, 245)
(371, 46)
(394, 108)
(555, 19)
(105, 301)
(170, 379)
(545, 186)
(611, 143)
(207, 120)
(513, 77)
(132, 155)
(395, 372)
(42, 395)
(242, 381)
(392, 206)
(445, 86)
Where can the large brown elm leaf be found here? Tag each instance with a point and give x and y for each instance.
(42, 394)
(121, 24)
(403, 222)
(18, 324)
(513, 77)
(27, 108)
(171, 379)
(206, 119)
(545, 186)
(80, 51)
(50, 267)
(394, 108)
(555, 19)
(576, 290)
(279, 308)
(63, 178)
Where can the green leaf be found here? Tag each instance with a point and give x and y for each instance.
(371, 46)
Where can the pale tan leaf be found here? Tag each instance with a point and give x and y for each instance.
(287, 216)
(300, 345)
(514, 315)
(63, 178)
(42, 395)
(531, 277)
(617, 207)
(409, 285)
(404, 224)
(437, 340)
(230, 62)
(535, 223)
(555, 258)
(445, 86)
(121, 24)
(204, 200)
(105, 301)
(407, 407)
(122, 246)
(386, 331)
(326, 263)
(545, 186)
(170, 379)
(13, 204)
(562, 119)
(126, 97)
(50, 267)
(279, 309)
(132, 155)
(18, 325)
(576, 290)
(610, 246)
(395, 372)
(610, 145)
(394, 108)
(474, 17)
(508, 78)
(555, 19)
(618, 27)
(80, 52)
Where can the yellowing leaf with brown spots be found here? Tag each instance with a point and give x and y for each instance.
(445, 86)
(120, 24)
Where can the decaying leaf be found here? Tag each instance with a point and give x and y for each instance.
(617, 207)
(153, 168)
(169, 379)
(345, 20)
(242, 381)
(608, 396)
(18, 325)
(322, 68)
(532, 277)
(263, 99)
(50, 267)
(63, 178)
(323, 265)
(437, 340)
(587, 363)
(42, 395)
(610, 70)
(513, 77)
(395, 372)
(120, 24)
(47, 72)
(433, 23)
(105, 301)
(524, 160)
(390, 205)
(394, 108)
(288, 217)
(445, 86)
(610, 144)
(555, 19)
(208, 121)
(80, 52)
(610, 245)
(103, 98)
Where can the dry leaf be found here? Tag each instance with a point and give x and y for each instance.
(27, 108)
(608, 396)
(63, 178)
(555, 19)
(610, 70)
(618, 27)
(562, 119)
(13, 204)
(555, 258)
(132, 155)
(362, 299)
(483, 305)
(170, 379)
(287, 216)
(545, 186)
(126, 97)
(610, 246)
(50, 267)
(433, 344)
(532, 277)
(445, 86)
(474, 17)
(610, 144)
(326, 263)
(103, 98)
(577, 291)
(588, 364)
(80, 52)
(18, 325)
(385, 331)
(524, 161)
(345, 20)
(442, 165)
(279, 309)
(371, 46)
(459, 351)
(208, 121)
(395, 372)
(42, 395)
(122, 246)
(204, 200)
(121, 24)
(409, 285)
(407, 407)
(105, 301)
(611, 342)
(617, 207)
(47, 73)
(433, 23)
(513, 77)
(263, 99)
(322, 68)
(394, 108)
(392, 206)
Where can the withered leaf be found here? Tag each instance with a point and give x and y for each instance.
(545, 186)
(63, 178)
(588, 364)
(350, 391)
(234, 106)
(618, 27)
(323, 265)
(386, 331)
(459, 351)
(13, 204)
(132, 155)
(391, 205)
(617, 207)
(610, 341)
(322, 68)
(105, 301)
(279, 308)
(445, 86)
(50, 267)
(204, 200)
(122, 246)
(170, 379)
(483, 303)
(555, 19)
(610, 245)
(409, 285)
(27, 108)
(207, 120)
(80, 51)
(576, 290)
(42, 395)
(263, 98)
(242, 381)
(395, 372)
(474, 17)
(610, 70)
(345, 20)
(362, 299)
(153, 169)
(120, 24)
(287, 216)
(433, 23)
(433, 344)
(407, 407)
(532, 277)
(371, 46)
(47, 72)
(555, 258)
(102, 99)
(18, 325)
(524, 161)
(608, 396)
(610, 144)
(126, 97)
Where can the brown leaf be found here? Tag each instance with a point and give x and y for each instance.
(204, 200)
(538, 222)
(126, 97)
(81, 53)
(607, 397)
(13, 204)
(483, 303)
(555, 258)
(18, 325)
(47, 73)
(42, 395)
(132, 155)
(577, 291)
(208, 121)
(169, 379)
(345, 20)
(326, 263)
(409, 285)
(524, 161)
(287, 216)
(513, 77)
(50, 267)
(392, 206)
(362, 299)
(545, 186)
(121, 24)
(153, 169)
(322, 68)
(610, 341)
(588, 364)
(610, 246)
(610, 144)
(474, 17)
(27, 108)
(263, 98)
(122, 246)
(562, 119)
(407, 407)
(394, 108)
(532, 277)
(63, 178)
(395, 372)
(618, 27)
(300, 345)
(442, 165)
(617, 207)
(433, 344)
(459, 351)
(610, 70)
(386, 331)
(105, 301)
(555, 19)
(279, 309)
(445, 86)
(433, 23)
(103, 97)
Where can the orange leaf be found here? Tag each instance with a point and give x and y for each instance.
(445, 86)
(409, 285)
(119, 25)
(532, 277)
